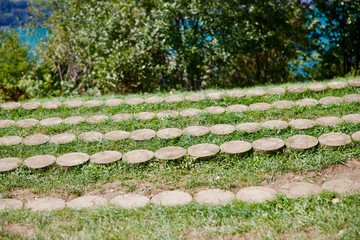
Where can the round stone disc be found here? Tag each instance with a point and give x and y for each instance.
(342, 186)
(73, 103)
(328, 121)
(190, 112)
(154, 100)
(302, 123)
(195, 97)
(337, 85)
(10, 204)
(236, 147)
(196, 131)
(145, 115)
(10, 140)
(90, 136)
(352, 98)
(222, 129)
(46, 204)
(6, 123)
(354, 83)
(167, 114)
(72, 159)
(62, 138)
(142, 134)
(170, 153)
(237, 108)
(138, 156)
(307, 102)
(275, 124)
(215, 95)
(351, 118)
(35, 139)
(330, 100)
(317, 87)
(203, 150)
(26, 123)
(31, 105)
(113, 102)
(93, 103)
(268, 144)
(40, 161)
(86, 202)
(48, 122)
(122, 117)
(214, 110)
(214, 197)
(260, 106)
(8, 164)
(356, 136)
(335, 139)
(236, 94)
(74, 120)
(169, 133)
(255, 92)
(174, 99)
(296, 89)
(256, 194)
(97, 119)
(299, 189)
(105, 157)
(283, 104)
(171, 198)
(51, 105)
(248, 127)
(275, 91)
(301, 142)
(130, 200)
(10, 105)
(117, 135)
(134, 101)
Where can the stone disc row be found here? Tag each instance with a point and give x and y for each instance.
(317, 87)
(254, 194)
(203, 150)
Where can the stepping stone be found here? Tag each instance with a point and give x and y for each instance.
(86, 202)
(196, 131)
(35, 139)
(195, 97)
(275, 91)
(222, 129)
(268, 144)
(138, 156)
(142, 134)
(255, 92)
(174, 99)
(283, 104)
(248, 127)
(73, 103)
(169, 133)
(93, 103)
(237, 108)
(215, 95)
(317, 87)
(6, 123)
(296, 89)
(72, 159)
(307, 102)
(134, 101)
(356, 136)
(302, 124)
(171, 198)
(170, 153)
(113, 102)
(299, 189)
(190, 112)
(62, 138)
(335, 139)
(51, 105)
(10, 140)
(10, 204)
(74, 120)
(167, 114)
(45, 204)
(90, 136)
(214, 197)
(351, 118)
(256, 194)
(330, 100)
(40, 161)
(145, 115)
(105, 157)
(301, 142)
(97, 119)
(342, 186)
(328, 121)
(354, 83)
(337, 85)
(352, 98)
(10, 105)
(48, 122)
(236, 147)
(154, 100)
(214, 110)
(275, 124)
(203, 150)
(236, 94)
(117, 135)
(8, 164)
(122, 117)
(130, 200)
(31, 105)
(260, 106)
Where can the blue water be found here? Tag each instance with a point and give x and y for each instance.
(32, 37)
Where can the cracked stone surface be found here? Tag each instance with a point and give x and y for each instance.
(171, 198)
(307, 102)
(45, 204)
(138, 156)
(299, 189)
(249, 127)
(262, 106)
(328, 121)
(275, 124)
(301, 142)
(10, 140)
(39, 161)
(196, 131)
(268, 144)
(86, 202)
(36, 139)
(256, 194)
(105, 157)
(169, 133)
(222, 129)
(237, 108)
(130, 200)
(342, 186)
(72, 159)
(302, 123)
(74, 120)
(90, 136)
(214, 197)
(117, 135)
(283, 104)
(330, 100)
(170, 153)
(47, 122)
(336, 139)
(62, 138)
(203, 150)
(190, 112)
(142, 134)
(9, 164)
(236, 147)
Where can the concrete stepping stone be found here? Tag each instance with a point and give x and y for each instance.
(6, 123)
(36, 139)
(302, 124)
(10, 140)
(74, 120)
(167, 114)
(46, 204)
(196, 131)
(354, 83)
(130, 200)
(89, 201)
(275, 124)
(48, 122)
(170, 153)
(237, 108)
(10, 105)
(39, 161)
(299, 189)
(248, 127)
(134, 101)
(296, 89)
(301, 142)
(356, 136)
(72, 159)
(105, 157)
(97, 119)
(51, 105)
(62, 138)
(214, 197)
(31, 105)
(145, 116)
(113, 102)
(9, 164)
(214, 110)
(255, 92)
(342, 186)
(337, 85)
(117, 135)
(275, 91)
(256, 194)
(154, 100)
(122, 117)
(260, 106)
(27, 123)
(335, 139)
(267, 145)
(317, 87)
(138, 156)
(169, 133)
(328, 121)
(283, 104)
(190, 112)
(222, 129)
(91, 136)
(142, 134)
(351, 118)
(93, 103)
(174, 99)
(10, 204)
(73, 103)
(215, 95)
(171, 198)
(307, 102)
(236, 147)
(203, 150)
(195, 97)
(330, 100)
(352, 98)
(236, 94)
